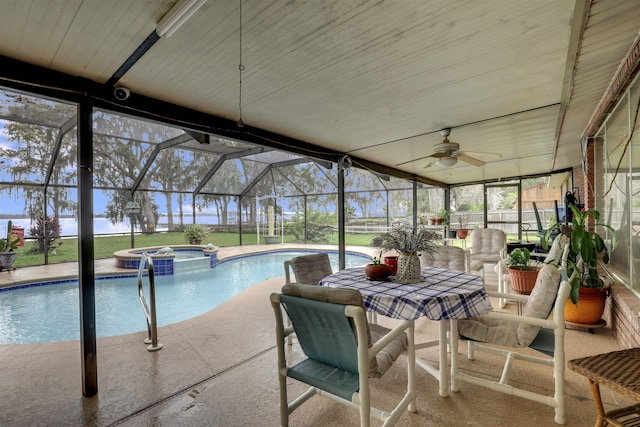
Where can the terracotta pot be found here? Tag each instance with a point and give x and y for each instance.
(523, 281)
(462, 233)
(377, 272)
(590, 307)
(392, 261)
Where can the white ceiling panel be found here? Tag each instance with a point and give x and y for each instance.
(375, 79)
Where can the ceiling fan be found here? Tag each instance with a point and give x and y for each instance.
(448, 153)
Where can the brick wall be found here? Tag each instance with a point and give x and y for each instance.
(622, 313)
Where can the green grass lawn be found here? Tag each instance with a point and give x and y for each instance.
(105, 246)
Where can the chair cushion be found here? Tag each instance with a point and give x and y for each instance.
(514, 334)
(310, 269)
(554, 256)
(390, 352)
(486, 243)
(336, 296)
(476, 265)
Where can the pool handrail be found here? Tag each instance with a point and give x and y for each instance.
(149, 313)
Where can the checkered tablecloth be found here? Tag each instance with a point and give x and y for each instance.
(442, 294)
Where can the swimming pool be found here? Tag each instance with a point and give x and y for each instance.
(49, 313)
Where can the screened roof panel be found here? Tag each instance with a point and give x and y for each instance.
(119, 126)
(307, 178)
(273, 156)
(192, 167)
(64, 170)
(219, 145)
(18, 107)
(118, 162)
(232, 177)
(357, 179)
(394, 183)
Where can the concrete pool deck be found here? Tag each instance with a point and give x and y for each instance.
(218, 369)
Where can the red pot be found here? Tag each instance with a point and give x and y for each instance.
(392, 261)
(462, 233)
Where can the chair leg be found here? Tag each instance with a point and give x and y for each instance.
(284, 406)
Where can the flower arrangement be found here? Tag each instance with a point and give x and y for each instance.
(405, 239)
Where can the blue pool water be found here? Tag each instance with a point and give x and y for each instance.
(50, 313)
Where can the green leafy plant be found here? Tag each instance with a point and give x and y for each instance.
(195, 233)
(377, 260)
(405, 239)
(519, 258)
(10, 243)
(444, 214)
(586, 250)
(462, 221)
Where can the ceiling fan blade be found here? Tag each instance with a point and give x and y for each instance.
(470, 160)
(428, 165)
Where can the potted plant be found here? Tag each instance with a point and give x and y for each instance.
(586, 250)
(442, 217)
(408, 241)
(195, 233)
(376, 269)
(8, 248)
(462, 231)
(523, 275)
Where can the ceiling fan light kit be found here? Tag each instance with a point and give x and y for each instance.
(446, 162)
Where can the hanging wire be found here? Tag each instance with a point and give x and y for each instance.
(240, 70)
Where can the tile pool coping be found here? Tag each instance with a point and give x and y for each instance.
(118, 272)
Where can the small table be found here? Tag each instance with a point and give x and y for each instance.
(442, 295)
(520, 245)
(619, 371)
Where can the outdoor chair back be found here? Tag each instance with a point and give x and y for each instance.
(342, 351)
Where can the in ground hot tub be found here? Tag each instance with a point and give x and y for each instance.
(170, 259)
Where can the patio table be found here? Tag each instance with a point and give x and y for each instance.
(442, 295)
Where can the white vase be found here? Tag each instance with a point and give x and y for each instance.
(408, 268)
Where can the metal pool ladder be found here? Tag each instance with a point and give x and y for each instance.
(150, 314)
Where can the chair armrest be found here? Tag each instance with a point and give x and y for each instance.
(505, 295)
(544, 323)
(390, 336)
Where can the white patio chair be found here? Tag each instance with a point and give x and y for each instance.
(307, 270)
(488, 246)
(449, 257)
(342, 350)
(494, 331)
